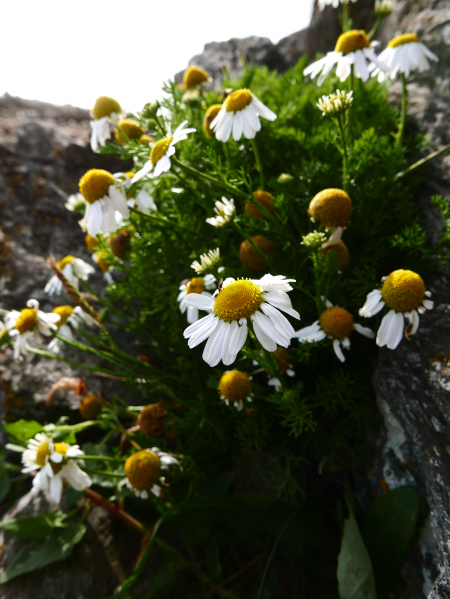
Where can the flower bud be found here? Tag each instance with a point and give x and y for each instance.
(250, 257)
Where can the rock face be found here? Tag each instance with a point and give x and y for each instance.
(43, 153)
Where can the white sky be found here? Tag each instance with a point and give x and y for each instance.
(71, 52)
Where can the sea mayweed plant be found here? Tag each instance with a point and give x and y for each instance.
(259, 226)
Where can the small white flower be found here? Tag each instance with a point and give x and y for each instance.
(404, 292)
(352, 50)
(335, 103)
(76, 203)
(225, 211)
(28, 325)
(73, 269)
(404, 54)
(68, 316)
(207, 261)
(226, 327)
(161, 152)
(142, 470)
(337, 324)
(106, 114)
(196, 285)
(333, 3)
(239, 116)
(383, 8)
(235, 389)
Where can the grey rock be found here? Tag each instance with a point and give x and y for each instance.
(37, 142)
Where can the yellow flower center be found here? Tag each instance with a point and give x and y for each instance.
(210, 115)
(265, 199)
(403, 290)
(62, 449)
(26, 321)
(65, 261)
(283, 361)
(160, 149)
(238, 300)
(250, 257)
(90, 407)
(142, 469)
(406, 38)
(337, 322)
(351, 41)
(238, 100)
(234, 385)
(101, 262)
(145, 139)
(131, 129)
(340, 251)
(195, 285)
(42, 454)
(95, 184)
(91, 243)
(194, 76)
(331, 207)
(152, 419)
(64, 313)
(104, 106)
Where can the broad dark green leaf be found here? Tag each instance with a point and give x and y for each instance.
(5, 485)
(37, 554)
(388, 527)
(22, 430)
(354, 573)
(30, 527)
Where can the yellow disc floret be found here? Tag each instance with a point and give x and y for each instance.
(142, 469)
(403, 290)
(265, 199)
(104, 106)
(101, 262)
(160, 149)
(42, 454)
(406, 38)
(26, 321)
(145, 140)
(352, 40)
(194, 76)
(250, 257)
(337, 322)
(65, 261)
(234, 385)
(152, 420)
(91, 406)
(331, 207)
(340, 252)
(195, 285)
(91, 243)
(64, 312)
(60, 448)
(130, 127)
(238, 300)
(238, 100)
(210, 115)
(95, 184)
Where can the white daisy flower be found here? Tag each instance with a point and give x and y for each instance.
(195, 285)
(383, 8)
(336, 103)
(235, 388)
(226, 327)
(335, 323)
(161, 152)
(352, 50)
(28, 325)
(73, 269)
(225, 211)
(49, 459)
(100, 259)
(333, 3)
(207, 261)
(239, 115)
(142, 470)
(403, 54)
(68, 316)
(76, 203)
(105, 195)
(404, 292)
(106, 113)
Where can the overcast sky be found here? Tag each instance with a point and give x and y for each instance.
(68, 52)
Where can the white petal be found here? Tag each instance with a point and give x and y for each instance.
(143, 172)
(213, 348)
(281, 323)
(415, 321)
(267, 343)
(94, 216)
(200, 301)
(237, 126)
(338, 350)
(364, 331)
(56, 488)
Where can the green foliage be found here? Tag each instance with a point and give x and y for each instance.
(22, 430)
(32, 527)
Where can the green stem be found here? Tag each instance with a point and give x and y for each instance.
(165, 221)
(345, 22)
(404, 110)
(344, 151)
(197, 173)
(421, 162)
(102, 473)
(375, 27)
(96, 369)
(259, 166)
(102, 458)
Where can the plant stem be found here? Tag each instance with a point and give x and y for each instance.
(217, 182)
(345, 22)
(404, 110)
(103, 458)
(421, 162)
(344, 151)
(166, 221)
(103, 473)
(95, 369)
(116, 510)
(375, 27)
(259, 166)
